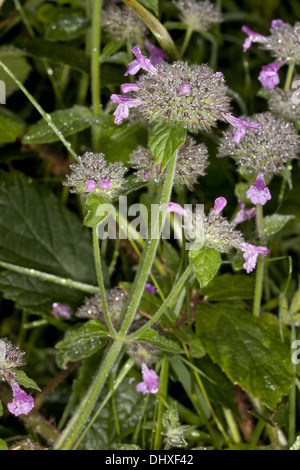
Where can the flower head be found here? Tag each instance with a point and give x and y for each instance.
(192, 161)
(250, 255)
(193, 96)
(60, 310)
(150, 383)
(216, 232)
(157, 55)
(22, 403)
(93, 308)
(284, 42)
(122, 24)
(265, 150)
(10, 355)
(259, 193)
(199, 16)
(92, 168)
(268, 76)
(286, 103)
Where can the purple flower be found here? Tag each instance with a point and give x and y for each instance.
(240, 126)
(150, 382)
(157, 55)
(122, 111)
(243, 214)
(268, 76)
(184, 89)
(259, 193)
(277, 23)
(60, 310)
(90, 186)
(250, 255)
(150, 288)
(105, 184)
(22, 403)
(220, 203)
(173, 207)
(127, 87)
(252, 37)
(141, 62)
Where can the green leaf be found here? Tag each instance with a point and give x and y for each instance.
(68, 121)
(109, 49)
(24, 381)
(35, 232)
(161, 342)
(1, 413)
(67, 26)
(151, 5)
(95, 213)
(3, 445)
(250, 354)
(274, 223)
(205, 263)
(230, 286)
(64, 54)
(10, 129)
(83, 341)
(164, 141)
(187, 336)
(14, 59)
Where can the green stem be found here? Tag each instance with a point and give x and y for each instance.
(125, 370)
(95, 70)
(186, 41)
(75, 427)
(149, 251)
(45, 115)
(51, 278)
(260, 263)
(100, 280)
(174, 294)
(162, 397)
(289, 77)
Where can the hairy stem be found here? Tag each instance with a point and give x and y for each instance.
(100, 280)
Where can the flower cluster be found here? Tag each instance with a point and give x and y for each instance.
(192, 160)
(10, 358)
(284, 45)
(265, 150)
(198, 16)
(286, 103)
(216, 232)
(178, 94)
(92, 174)
(92, 308)
(122, 24)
